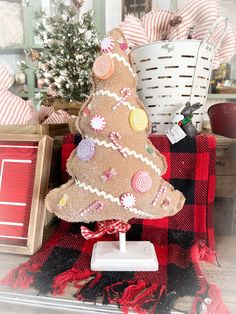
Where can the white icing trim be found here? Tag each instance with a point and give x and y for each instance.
(129, 152)
(111, 198)
(103, 92)
(122, 59)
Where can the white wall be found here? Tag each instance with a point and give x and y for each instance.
(161, 4)
(113, 14)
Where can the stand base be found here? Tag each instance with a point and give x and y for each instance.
(139, 256)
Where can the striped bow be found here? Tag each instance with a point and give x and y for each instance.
(106, 226)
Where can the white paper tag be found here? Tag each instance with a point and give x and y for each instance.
(175, 134)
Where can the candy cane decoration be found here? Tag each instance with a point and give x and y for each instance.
(97, 205)
(126, 93)
(116, 135)
(161, 191)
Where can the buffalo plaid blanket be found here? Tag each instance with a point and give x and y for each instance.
(180, 243)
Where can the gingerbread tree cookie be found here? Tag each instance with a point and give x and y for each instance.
(116, 171)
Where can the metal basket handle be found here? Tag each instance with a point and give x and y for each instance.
(212, 29)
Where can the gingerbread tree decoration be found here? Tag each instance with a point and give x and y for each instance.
(116, 171)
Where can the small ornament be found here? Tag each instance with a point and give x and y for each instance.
(141, 181)
(149, 149)
(63, 201)
(126, 93)
(128, 200)
(107, 44)
(103, 67)
(108, 175)
(34, 55)
(78, 3)
(138, 119)
(20, 77)
(190, 33)
(186, 124)
(176, 21)
(97, 205)
(86, 149)
(166, 203)
(116, 135)
(97, 123)
(164, 35)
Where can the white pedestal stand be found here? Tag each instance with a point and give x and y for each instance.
(124, 256)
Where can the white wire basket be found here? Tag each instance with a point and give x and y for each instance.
(171, 73)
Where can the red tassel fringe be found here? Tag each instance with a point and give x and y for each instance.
(60, 282)
(200, 252)
(21, 277)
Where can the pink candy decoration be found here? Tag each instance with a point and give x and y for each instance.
(97, 205)
(116, 135)
(97, 123)
(126, 93)
(161, 191)
(87, 111)
(128, 200)
(108, 174)
(141, 181)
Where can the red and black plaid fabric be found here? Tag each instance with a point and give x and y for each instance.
(179, 241)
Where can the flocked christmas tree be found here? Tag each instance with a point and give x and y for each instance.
(70, 46)
(116, 171)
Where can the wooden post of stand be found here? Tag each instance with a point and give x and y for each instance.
(122, 239)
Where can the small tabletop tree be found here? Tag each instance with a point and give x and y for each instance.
(70, 46)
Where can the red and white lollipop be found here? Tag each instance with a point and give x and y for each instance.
(141, 181)
(107, 44)
(103, 67)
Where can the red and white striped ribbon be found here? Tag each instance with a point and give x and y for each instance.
(60, 116)
(155, 23)
(133, 31)
(199, 14)
(227, 49)
(6, 80)
(126, 93)
(106, 226)
(113, 137)
(13, 109)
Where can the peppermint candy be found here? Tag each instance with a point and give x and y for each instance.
(97, 123)
(86, 149)
(141, 181)
(107, 44)
(103, 67)
(127, 200)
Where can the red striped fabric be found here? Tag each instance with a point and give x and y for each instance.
(156, 22)
(13, 109)
(133, 31)
(59, 116)
(6, 80)
(45, 112)
(228, 47)
(200, 14)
